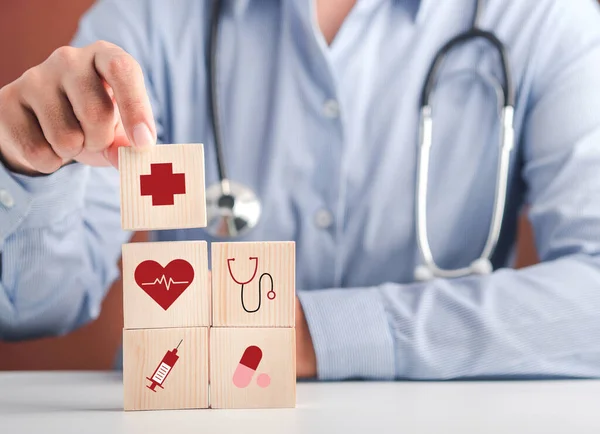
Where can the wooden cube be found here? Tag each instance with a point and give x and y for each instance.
(162, 188)
(253, 284)
(165, 368)
(252, 367)
(166, 284)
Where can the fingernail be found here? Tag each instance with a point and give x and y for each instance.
(142, 137)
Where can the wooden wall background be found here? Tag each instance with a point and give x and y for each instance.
(29, 31)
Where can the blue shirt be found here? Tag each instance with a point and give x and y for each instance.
(327, 136)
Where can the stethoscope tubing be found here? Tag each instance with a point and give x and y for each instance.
(507, 144)
(481, 265)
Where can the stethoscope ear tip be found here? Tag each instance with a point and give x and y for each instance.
(423, 273)
(481, 266)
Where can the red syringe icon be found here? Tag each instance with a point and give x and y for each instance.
(164, 368)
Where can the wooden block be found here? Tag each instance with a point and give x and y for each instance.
(162, 188)
(253, 284)
(166, 284)
(266, 378)
(159, 375)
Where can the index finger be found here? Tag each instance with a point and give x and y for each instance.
(124, 75)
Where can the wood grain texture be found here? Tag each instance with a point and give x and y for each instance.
(186, 385)
(275, 258)
(278, 347)
(187, 211)
(190, 309)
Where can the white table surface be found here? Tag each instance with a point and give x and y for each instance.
(91, 402)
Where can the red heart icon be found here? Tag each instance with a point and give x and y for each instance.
(164, 285)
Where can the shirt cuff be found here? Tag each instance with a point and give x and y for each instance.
(37, 201)
(350, 333)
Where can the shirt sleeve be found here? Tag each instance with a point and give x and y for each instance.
(60, 235)
(542, 321)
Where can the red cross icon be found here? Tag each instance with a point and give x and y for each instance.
(162, 184)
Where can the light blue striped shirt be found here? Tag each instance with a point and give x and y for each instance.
(327, 136)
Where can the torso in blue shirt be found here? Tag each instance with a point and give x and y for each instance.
(327, 136)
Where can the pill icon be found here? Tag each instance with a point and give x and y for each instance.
(245, 370)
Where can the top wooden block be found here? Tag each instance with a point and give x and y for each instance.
(253, 284)
(162, 188)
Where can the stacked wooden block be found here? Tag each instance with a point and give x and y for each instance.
(192, 341)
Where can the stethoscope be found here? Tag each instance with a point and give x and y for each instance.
(270, 294)
(234, 209)
(482, 265)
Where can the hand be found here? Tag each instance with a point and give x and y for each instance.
(81, 104)
(306, 360)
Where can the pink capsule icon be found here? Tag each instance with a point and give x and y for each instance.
(245, 370)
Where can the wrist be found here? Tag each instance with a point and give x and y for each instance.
(46, 200)
(350, 333)
(306, 359)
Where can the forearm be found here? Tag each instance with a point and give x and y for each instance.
(541, 321)
(59, 251)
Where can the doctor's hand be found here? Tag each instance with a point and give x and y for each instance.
(80, 104)
(306, 360)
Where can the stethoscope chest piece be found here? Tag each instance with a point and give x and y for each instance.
(232, 209)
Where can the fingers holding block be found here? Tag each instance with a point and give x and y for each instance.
(253, 367)
(165, 368)
(253, 284)
(162, 188)
(166, 284)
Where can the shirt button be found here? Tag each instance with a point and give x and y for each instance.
(6, 199)
(331, 109)
(323, 219)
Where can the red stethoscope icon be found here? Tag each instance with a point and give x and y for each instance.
(270, 294)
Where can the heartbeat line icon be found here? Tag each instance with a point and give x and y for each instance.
(164, 284)
(167, 282)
